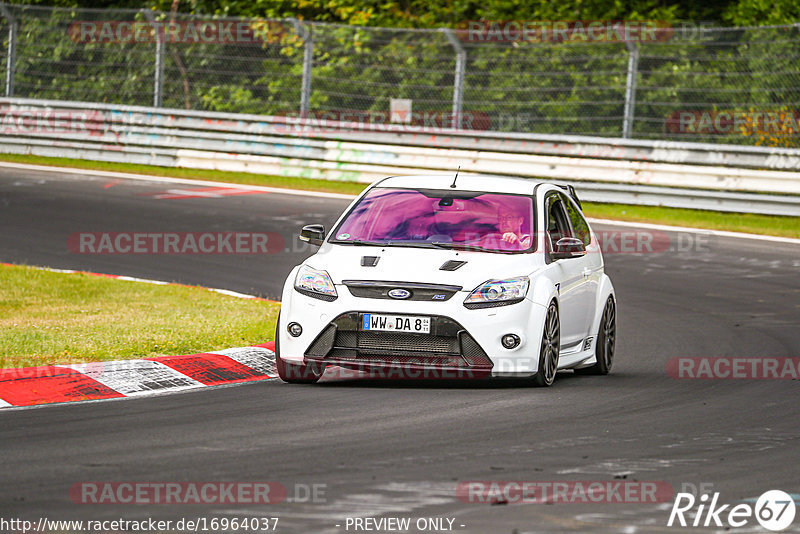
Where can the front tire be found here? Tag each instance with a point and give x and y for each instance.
(550, 348)
(291, 373)
(606, 336)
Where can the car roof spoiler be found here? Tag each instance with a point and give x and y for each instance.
(571, 190)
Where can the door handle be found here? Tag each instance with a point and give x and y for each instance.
(586, 273)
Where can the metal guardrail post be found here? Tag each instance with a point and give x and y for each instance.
(161, 46)
(11, 58)
(458, 78)
(308, 62)
(630, 89)
(158, 84)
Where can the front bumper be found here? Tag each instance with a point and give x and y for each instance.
(465, 342)
(447, 349)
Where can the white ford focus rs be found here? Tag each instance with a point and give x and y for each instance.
(436, 277)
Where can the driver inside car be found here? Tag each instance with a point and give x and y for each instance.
(510, 225)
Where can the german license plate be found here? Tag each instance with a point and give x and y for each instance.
(396, 323)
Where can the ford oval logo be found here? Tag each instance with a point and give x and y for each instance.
(399, 293)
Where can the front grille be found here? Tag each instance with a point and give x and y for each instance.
(375, 289)
(405, 342)
(396, 359)
(473, 353)
(448, 345)
(345, 338)
(323, 343)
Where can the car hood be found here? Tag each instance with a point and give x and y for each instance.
(420, 265)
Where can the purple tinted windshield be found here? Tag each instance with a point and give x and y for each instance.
(491, 221)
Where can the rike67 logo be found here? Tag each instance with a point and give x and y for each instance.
(774, 510)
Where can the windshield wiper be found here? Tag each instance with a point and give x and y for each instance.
(358, 242)
(461, 246)
(464, 246)
(421, 244)
(413, 244)
(361, 242)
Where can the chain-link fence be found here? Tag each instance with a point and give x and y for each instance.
(718, 85)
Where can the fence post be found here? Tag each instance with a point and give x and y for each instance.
(630, 89)
(458, 78)
(11, 58)
(308, 60)
(161, 45)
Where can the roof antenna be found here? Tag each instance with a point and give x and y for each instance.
(453, 185)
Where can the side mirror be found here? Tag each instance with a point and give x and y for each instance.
(568, 247)
(313, 234)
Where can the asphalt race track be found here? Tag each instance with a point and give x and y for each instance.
(400, 449)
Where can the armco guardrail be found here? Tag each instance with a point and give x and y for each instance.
(680, 81)
(638, 172)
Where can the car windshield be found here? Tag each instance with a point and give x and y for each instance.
(492, 222)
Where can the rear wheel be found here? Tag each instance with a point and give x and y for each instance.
(549, 351)
(292, 373)
(606, 336)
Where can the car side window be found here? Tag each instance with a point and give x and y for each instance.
(557, 222)
(580, 228)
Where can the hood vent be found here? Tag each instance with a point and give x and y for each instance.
(452, 265)
(369, 261)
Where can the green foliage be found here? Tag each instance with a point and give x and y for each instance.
(452, 13)
(762, 12)
(367, 58)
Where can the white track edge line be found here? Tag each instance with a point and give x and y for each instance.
(227, 292)
(720, 233)
(173, 180)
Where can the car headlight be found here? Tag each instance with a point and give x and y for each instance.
(494, 293)
(314, 283)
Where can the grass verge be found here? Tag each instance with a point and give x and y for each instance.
(55, 318)
(713, 220)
